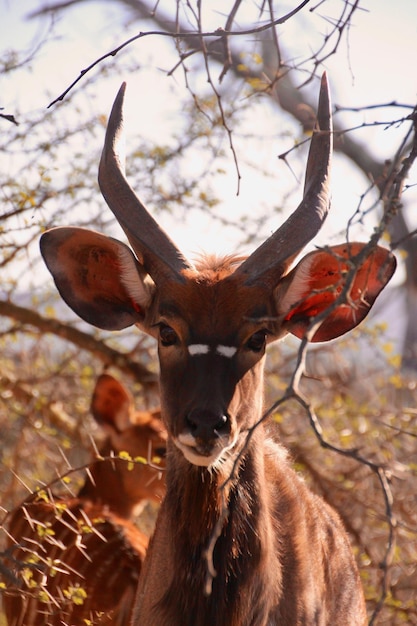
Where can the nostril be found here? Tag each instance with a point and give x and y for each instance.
(221, 424)
(206, 424)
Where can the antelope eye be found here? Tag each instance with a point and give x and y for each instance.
(168, 335)
(256, 343)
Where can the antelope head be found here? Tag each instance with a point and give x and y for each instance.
(213, 320)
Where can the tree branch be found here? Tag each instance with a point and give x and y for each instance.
(54, 412)
(97, 347)
(219, 33)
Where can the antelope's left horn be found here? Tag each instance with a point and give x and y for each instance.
(271, 260)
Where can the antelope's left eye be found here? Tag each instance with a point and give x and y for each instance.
(257, 341)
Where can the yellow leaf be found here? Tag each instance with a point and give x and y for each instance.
(76, 594)
(395, 360)
(388, 347)
(396, 381)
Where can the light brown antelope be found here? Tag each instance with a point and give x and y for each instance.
(82, 556)
(281, 556)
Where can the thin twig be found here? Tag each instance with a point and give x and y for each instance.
(219, 32)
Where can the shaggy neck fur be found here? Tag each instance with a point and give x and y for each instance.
(245, 544)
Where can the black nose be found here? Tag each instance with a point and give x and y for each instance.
(207, 425)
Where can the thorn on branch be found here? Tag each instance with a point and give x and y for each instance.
(9, 118)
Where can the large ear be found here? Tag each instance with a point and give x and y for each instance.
(317, 281)
(112, 403)
(97, 276)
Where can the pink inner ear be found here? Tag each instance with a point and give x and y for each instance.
(318, 281)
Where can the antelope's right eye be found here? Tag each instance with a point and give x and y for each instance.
(256, 343)
(168, 335)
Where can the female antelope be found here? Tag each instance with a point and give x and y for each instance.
(81, 556)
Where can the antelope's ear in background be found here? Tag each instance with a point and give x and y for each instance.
(97, 276)
(318, 280)
(112, 403)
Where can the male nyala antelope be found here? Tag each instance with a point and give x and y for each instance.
(282, 556)
(83, 555)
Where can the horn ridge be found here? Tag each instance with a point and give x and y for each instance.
(273, 257)
(155, 250)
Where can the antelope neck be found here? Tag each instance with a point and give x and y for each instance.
(244, 542)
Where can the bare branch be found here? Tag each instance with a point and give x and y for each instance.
(98, 348)
(218, 33)
(55, 413)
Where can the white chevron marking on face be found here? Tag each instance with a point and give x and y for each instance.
(227, 351)
(198, 348)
